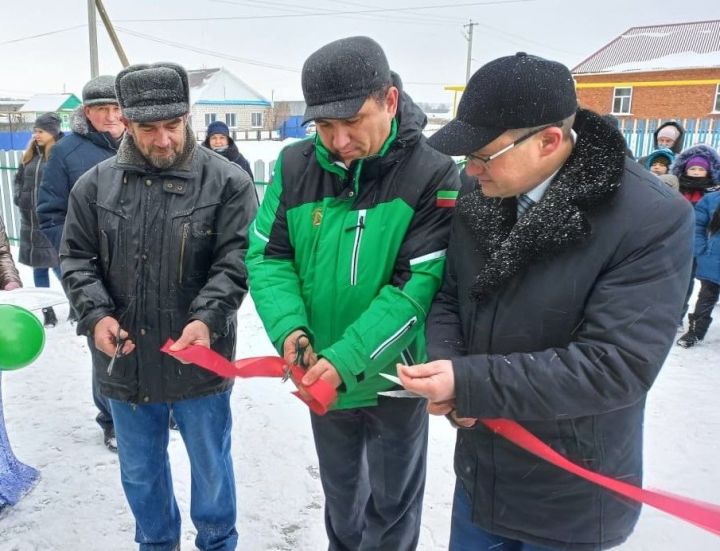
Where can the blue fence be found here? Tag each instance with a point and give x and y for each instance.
(639, 133)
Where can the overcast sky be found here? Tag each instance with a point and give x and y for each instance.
(266, 42)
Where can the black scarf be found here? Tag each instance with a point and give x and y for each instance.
(588, 179)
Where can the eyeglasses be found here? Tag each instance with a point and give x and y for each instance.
(484, 161)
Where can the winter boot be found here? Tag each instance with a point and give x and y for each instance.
(109, 439)
(690, 338)
(49, 317)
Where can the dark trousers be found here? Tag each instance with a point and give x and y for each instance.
(689, 293)
(706, 301)
(372, 469)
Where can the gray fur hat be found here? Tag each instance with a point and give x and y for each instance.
(149, 93)
(99, 91)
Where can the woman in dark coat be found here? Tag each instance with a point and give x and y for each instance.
(35, 249)
(218, 139)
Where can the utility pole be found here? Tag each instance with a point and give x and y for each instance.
(469, 38)
(111, 32)
(92, 31)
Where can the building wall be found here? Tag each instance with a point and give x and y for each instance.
(655, 101)
(243, 115)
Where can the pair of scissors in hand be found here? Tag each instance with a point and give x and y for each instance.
(119, 342)
(404, 393)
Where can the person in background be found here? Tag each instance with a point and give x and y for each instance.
(35, 248)
(154, 248)
(566, 268)
(345, 256)
(9, 276)
(96, 133)
(707, 249)
(659, 161)
(218, 139)
(694, 182)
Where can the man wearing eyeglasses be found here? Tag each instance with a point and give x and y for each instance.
(566, 271)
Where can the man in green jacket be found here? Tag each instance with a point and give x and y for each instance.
(345, 256)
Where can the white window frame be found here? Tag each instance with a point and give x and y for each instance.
(252, 119)
(210, 117)
(621, 98)
(231, 120)
(717, 100)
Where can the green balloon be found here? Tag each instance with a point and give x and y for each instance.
(22, 337)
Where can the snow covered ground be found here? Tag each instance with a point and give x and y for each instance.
(78, 503)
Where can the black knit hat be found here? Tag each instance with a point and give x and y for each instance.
(519, 91)
(149, 93)
(49, 122)
(339, 77)
(99, 91)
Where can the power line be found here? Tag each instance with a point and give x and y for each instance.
(31, 37)
(321, 14)
(212, 53)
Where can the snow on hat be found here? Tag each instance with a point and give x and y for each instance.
(669, 131)
(519, 91)
(697, 160)
(150, 93)
(49, 122)
(218, 127)
(339, 77)
(99, 91)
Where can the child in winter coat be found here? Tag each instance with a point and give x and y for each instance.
(707, 256)
(703, 172)
(659, 161)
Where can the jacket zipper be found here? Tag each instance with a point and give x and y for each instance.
(185, 231)
(392, 339)
(356, 246)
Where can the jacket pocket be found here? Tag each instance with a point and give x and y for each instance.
(392, 339)
(195, 237)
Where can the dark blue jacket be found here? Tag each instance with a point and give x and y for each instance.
(69, 159)
(561, 321)
(707, 247)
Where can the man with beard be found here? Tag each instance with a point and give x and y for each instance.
(154, 247)
(96, 134)
(566, 270)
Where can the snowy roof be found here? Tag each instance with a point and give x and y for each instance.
(218, 85)
(675, 46)
(44, 103)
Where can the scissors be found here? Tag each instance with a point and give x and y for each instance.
(119, 342)
(299, 357)
(398, 393)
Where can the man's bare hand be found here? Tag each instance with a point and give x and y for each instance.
(195, 332)
(105, 335)
(290, 348)
(322, 369)
(434, 380)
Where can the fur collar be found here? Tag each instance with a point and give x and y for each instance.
(588, 179)
(129, 157)
(699, 150)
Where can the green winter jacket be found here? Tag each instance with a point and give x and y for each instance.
(354, 256)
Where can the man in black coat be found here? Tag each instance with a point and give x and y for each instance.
(96, 133)
(566, 271)
(154, 248)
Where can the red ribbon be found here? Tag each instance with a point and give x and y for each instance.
(701, 514)
(321, 393)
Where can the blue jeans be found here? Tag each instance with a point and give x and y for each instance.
(142, 437)
(466, 536)
(41, 276)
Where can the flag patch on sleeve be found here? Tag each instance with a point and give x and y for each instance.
(446, 198)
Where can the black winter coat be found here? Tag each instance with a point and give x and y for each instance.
(561, 322)
(35, 248)
(157, 249)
